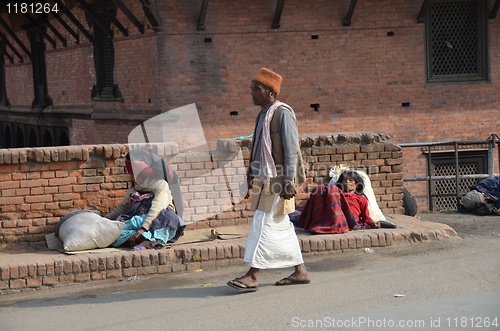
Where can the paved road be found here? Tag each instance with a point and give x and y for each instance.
(447, 285)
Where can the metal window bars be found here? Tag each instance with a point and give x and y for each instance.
(492, 143)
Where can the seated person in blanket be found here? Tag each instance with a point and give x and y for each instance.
(352, 185)
(147, 208)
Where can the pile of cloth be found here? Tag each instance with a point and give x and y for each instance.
(483, 199)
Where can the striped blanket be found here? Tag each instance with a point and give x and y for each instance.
(326, 211)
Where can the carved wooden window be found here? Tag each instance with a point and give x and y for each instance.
(456, 41)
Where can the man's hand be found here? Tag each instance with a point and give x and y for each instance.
(289, 191)
(137, 235)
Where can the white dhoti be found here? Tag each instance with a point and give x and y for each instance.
(272, 242)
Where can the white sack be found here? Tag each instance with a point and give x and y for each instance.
(83, 230)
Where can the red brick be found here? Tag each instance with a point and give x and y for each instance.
(113, 273)
(49, 280)
(344, 243)
(4, 272)
(163, 269)
(313, 244)
(83, 277)
(41, 269)
(193, 266)
(222, 263)
(23, 271)
(98, 275)
(34, 282)
(176, 267)
(17, 283)
(64, 279)
(136, 261)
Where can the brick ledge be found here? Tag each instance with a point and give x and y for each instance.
(23, 271)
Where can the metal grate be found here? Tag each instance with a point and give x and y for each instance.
(456, 41)
(445, 190)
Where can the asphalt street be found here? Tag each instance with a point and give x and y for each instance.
(451, 284)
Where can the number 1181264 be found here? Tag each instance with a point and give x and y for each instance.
(31, 8)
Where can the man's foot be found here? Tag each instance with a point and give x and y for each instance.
(242, 286)
(291, 281)
(294, 279)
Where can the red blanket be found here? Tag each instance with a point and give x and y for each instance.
(326, 211)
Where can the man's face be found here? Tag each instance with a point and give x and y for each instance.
(260, 94)
(349, 184)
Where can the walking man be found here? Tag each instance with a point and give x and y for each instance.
(275, 167)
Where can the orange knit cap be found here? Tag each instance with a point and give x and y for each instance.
(269, 78)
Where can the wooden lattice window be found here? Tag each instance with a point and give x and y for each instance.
(456, 41)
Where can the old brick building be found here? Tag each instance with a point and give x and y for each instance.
(85, 71)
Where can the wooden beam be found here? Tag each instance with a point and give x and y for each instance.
(277, 14)
(423, 11)
(53, 29)
(11, 59)
(112, 18)
(67, 27)
(151, 14)
(57, 34)
(4, 51)
(129, 15)
(203, 14)
(14, 36)
(36, 25)
(14, 50)
(45, 21)
(494, 10)
(86, 8)
(73, 19)
(348, 17)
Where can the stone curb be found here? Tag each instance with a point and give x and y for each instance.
(20, 272)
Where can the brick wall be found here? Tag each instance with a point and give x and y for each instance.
(360, 75)
(39, 185)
